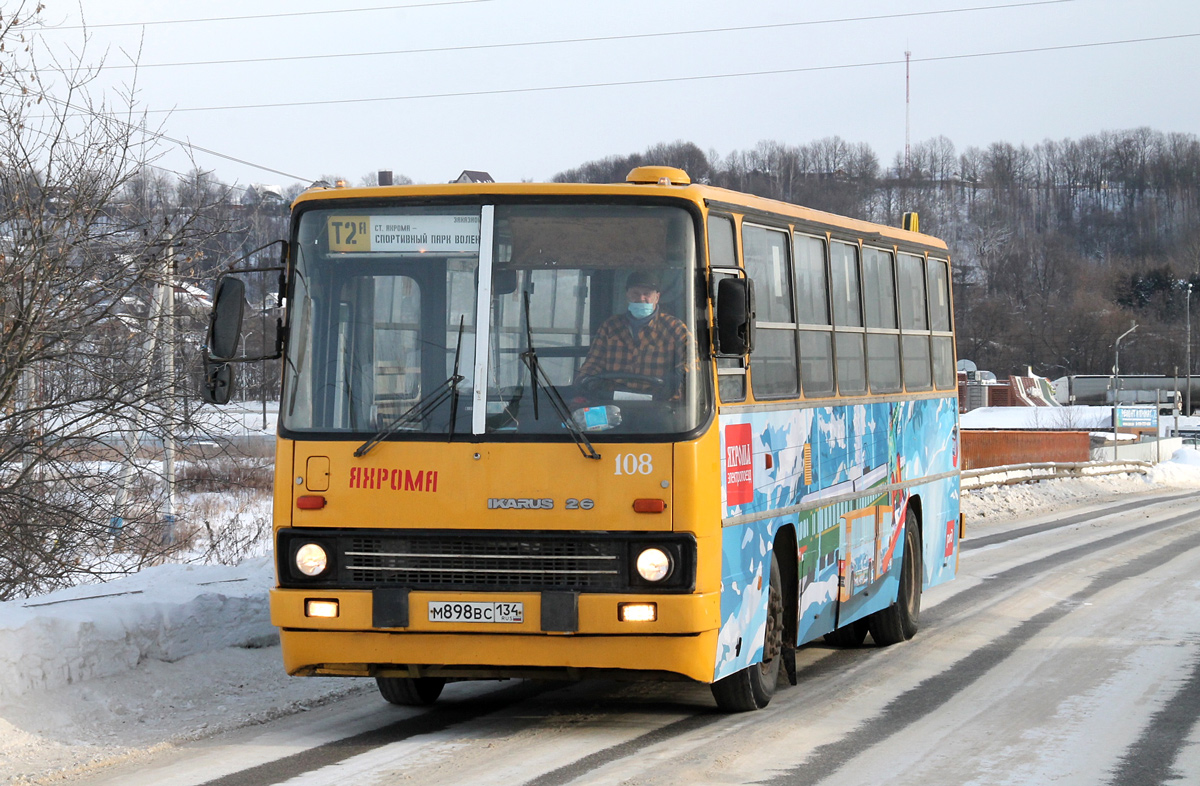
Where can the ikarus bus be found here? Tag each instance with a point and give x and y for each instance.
(650, 430)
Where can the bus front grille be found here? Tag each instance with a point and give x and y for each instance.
(484, 562)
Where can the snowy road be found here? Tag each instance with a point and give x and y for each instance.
(1068, 651)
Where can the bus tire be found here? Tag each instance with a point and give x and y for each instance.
(852, 635)
(752, 687)
(410, 691)
(899, 622)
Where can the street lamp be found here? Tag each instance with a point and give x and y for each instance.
(1187, 408)
(1116, 379)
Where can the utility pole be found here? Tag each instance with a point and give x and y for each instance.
(169, 357)
(1116, 380)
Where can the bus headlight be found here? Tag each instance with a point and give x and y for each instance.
(653, 564)
(311, 559)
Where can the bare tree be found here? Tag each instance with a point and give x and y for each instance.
(84, 291)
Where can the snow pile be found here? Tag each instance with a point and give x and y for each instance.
(1072, 418)
(164, 613)
(1005, 502)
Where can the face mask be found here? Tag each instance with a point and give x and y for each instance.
(641, 310)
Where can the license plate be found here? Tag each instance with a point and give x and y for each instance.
(447, 611)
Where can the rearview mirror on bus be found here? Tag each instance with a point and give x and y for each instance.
(735, 316)
(225, 324)
(218, 383)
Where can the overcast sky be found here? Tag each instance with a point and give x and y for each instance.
(486, 99)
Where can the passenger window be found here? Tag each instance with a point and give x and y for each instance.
(774, 366)
(852, 378)
(943, 363)
(912, 293)
(816, 362)
(916, 362)
(844, 268)
(812, 295)
(812, 305)
(879, 289)
(883, 360)
(939, 295)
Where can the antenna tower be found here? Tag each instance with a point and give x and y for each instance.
(907, 125)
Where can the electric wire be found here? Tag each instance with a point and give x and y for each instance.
(590, 39)
(56, 28)
(75, 111)
(198, 148)
(667, 80)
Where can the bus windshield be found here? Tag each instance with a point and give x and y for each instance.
(592, 307)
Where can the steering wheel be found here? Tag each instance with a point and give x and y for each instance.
(594, 385)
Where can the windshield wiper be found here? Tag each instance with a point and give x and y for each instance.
(538, 379)
(426, 404)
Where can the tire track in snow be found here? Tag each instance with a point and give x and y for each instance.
(934, 692)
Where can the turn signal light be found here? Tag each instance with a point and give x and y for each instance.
(649, 505)
(310, 502)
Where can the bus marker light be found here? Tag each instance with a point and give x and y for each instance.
(320, 608)
(649, 505)
(310, 502)
(637, 612)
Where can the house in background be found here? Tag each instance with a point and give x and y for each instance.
(473, 176)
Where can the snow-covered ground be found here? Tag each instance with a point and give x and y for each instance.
(111, 672)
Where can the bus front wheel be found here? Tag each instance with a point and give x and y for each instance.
(410, 691)
(899, 621)
(752, 687)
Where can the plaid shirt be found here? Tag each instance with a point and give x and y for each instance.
(662, 349)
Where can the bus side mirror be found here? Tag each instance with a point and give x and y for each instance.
(225, 323)
(218, 383)
(735, 316)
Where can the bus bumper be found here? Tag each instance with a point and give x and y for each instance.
(681, 641)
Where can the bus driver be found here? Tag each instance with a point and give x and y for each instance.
(641, 349)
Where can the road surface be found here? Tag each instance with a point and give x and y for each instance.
(1067, 652)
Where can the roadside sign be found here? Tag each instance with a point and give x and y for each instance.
(1137, 417)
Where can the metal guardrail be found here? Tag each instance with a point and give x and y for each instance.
(1028, 473)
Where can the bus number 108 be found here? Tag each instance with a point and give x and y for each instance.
(633, 464)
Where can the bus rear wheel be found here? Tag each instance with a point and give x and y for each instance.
(752, 687)
(410, 691)
(899, 622)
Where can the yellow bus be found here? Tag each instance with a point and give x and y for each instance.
(651, 430)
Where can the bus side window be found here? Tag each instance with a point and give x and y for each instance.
(774, 366)
(941, 322)
(914, 322)
(879, 302)
(731, 372)
(812, 307)
(847, 319)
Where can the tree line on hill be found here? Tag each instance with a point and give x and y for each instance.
(1058, 247)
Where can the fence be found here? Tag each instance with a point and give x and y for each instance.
(1028, 473)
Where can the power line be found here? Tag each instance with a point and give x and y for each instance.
(56, 28)
(667, 80)
(75, 111)
(593, 39)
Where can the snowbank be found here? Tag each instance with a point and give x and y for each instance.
(1069, 418)
(1006, 502)
(163, 613)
